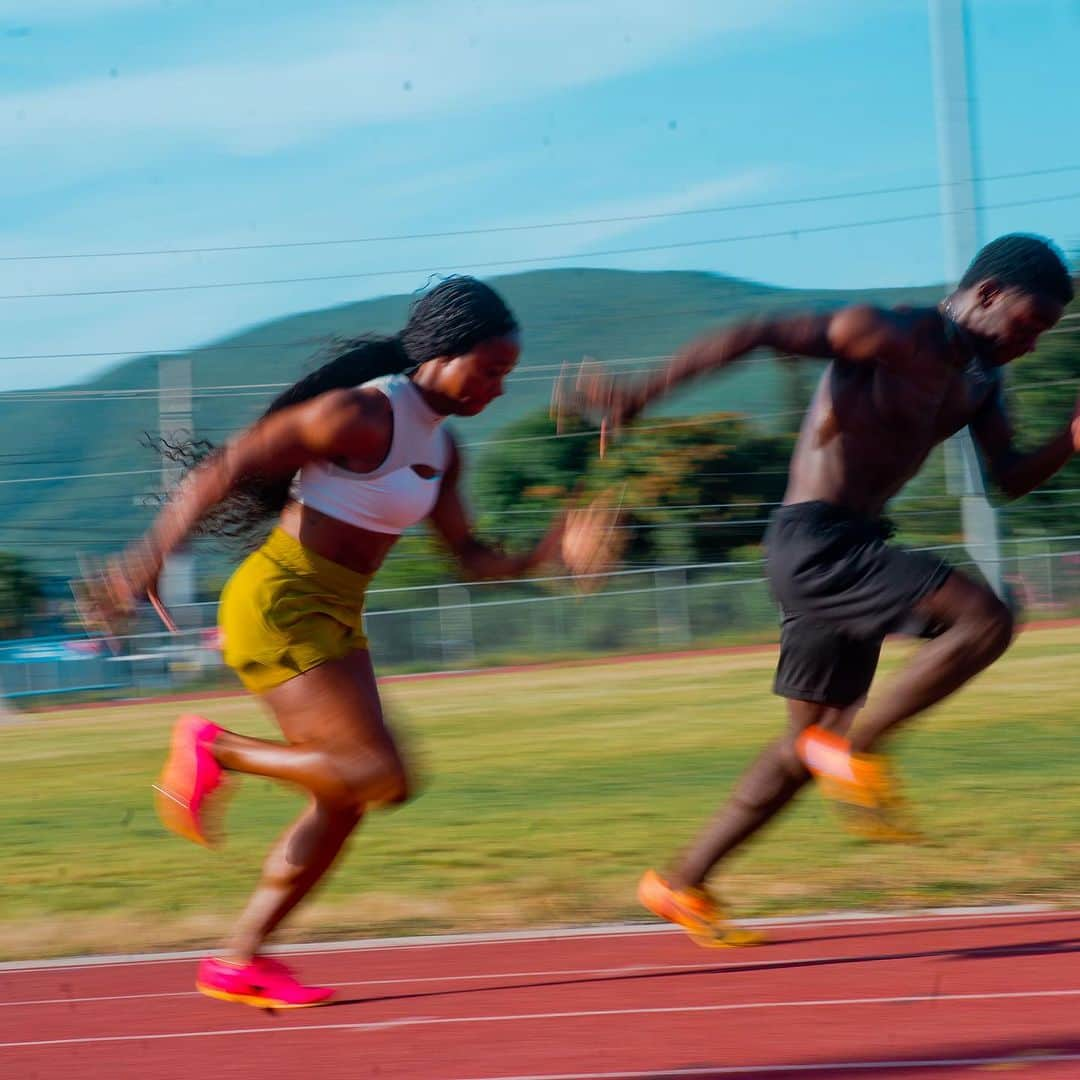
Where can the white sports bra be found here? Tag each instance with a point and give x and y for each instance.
(393, 496)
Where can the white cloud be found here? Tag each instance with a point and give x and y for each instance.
(580, 238)
(425, 59)
(148, 322)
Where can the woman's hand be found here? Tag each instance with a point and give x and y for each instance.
(106, 595)
(593, 541)
(548, 548)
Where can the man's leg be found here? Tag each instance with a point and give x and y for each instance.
(764, 790)
(770, 783)
(978, 629)
(973, 628)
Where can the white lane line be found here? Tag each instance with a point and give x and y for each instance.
(828, 1067)
(581, 974)
(860, 918)
(636, 969)
(430, 1021)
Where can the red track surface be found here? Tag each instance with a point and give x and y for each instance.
(889, 999)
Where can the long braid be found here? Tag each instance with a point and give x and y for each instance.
(452, 318)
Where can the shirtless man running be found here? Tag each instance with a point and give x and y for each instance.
(900, 382)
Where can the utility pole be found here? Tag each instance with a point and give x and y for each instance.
(175, 423)
(953, 98)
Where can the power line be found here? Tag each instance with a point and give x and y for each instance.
(908, 516)
(166, 352)
(82, 476)
(627, 366)
(485, 516)
(487, 230)
(326, 339)
(492, 263)
(488, 442)
(524, 373)
(591, 432)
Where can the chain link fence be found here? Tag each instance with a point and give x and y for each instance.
(482, 624)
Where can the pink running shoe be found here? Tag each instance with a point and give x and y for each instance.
(264, 983)
(190, 778)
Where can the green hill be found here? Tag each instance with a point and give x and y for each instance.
(565, 314)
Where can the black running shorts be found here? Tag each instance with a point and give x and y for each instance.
(841, 589)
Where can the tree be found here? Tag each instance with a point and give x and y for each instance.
(524, 477)
(1042, 394)
(697, 489)
(694, 489)
(21, 592)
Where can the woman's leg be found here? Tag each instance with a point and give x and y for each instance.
(339, 746)
(340, 749)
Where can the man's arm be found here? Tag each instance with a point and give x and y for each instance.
(859, 334)
(1014, 473)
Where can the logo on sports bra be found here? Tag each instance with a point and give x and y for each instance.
(425, 472)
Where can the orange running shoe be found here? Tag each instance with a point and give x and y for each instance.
(696, 911)
(862, 786)
(190, 779)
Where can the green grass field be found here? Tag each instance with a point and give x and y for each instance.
(544, 794)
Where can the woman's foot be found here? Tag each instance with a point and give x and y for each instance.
(263, 983)
(191, 782)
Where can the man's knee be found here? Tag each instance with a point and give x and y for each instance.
(772, 779)
(988, 627)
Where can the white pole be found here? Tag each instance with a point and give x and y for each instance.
(953, 106)
(175, 422)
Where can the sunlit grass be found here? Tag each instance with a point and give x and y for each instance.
(543, 796)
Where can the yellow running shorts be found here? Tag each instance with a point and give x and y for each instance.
(286, 610)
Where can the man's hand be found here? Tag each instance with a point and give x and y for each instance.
(610, 401)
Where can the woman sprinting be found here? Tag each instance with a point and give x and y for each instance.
(344, 460)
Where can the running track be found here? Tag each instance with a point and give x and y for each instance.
(888, 998)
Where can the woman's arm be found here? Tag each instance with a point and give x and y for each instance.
(354, 424)
(479, 560)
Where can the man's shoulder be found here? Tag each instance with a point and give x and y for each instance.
(901, 317)
(889, 334)
(915, 318)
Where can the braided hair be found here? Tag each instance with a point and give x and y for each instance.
(449, 320)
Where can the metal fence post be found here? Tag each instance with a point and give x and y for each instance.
(455, 624)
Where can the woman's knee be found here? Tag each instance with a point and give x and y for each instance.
(372, 778)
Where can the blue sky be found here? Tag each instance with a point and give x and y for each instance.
(133, 125)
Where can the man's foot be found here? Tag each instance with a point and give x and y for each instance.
(862, 786)
(190, 781)
(263, 983)
(695, 911)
